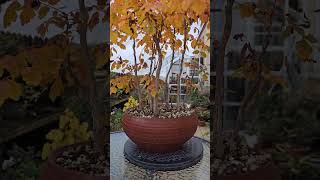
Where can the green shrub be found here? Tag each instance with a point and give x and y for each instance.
(26, 164)
(196, 99)
(291, 118)
(116, 119)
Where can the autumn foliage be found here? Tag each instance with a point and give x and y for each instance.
(153, 25)
(57, 64)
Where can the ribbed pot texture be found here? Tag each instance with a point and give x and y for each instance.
(158, 134)
(269, 172)
(52, 171)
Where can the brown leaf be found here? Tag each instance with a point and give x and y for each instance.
(9, 89)
(43, 11)
(43, 29)
(304, 49)
(94, 20)
(10, 15)
(246, 10)
(26, 15)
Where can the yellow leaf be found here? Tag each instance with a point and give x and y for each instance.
(153, 92)
(46, 150)
(196, 52)
(56, 89)
(26, 15)
(194, 43)
(198, 7)
(11, 14)
(203, 54)
(32, 76)
(55, 135)
(74, 124)
(9, 89)
(113, 90)
(63, 121)
(15, 90)
(43, 11)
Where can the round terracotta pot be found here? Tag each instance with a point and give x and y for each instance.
(158, 134)
(52, 171)
(269, 172)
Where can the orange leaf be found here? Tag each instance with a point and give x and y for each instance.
(9, 89)
(11, 14)
(56, 89)
(26, 15)
(32, 76)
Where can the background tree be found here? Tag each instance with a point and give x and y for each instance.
(252, 61)
(58, 64)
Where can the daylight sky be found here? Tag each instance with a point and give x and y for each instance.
(128, 52)
(98, 35)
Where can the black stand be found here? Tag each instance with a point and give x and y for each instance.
(190, 154)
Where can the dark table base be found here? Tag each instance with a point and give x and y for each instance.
(190, 154)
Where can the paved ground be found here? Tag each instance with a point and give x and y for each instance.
(203, 132)
(121, 169)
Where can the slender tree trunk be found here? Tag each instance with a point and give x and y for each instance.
(181, 63)
(137, 82)
(97, 110)
(166, 92)
(219, 92)
(257, 83)
(156, 39)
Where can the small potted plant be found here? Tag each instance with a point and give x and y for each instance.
(151, 121)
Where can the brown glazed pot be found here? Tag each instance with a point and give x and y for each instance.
(158, 134)
(269, 172)
(52, 171)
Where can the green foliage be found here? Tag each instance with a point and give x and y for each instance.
(296, 168)
(116, 119)
(70, 131)
(27, 164)
(204, 115)
(196, 99)
(289, 118)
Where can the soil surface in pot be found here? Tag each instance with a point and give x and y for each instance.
(164, 112)
(83, 159)
(242, 159)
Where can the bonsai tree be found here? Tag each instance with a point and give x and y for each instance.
(154, 26)
(57, 64)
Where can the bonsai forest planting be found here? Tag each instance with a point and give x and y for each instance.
(160, 28)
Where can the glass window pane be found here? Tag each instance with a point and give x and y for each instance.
(235, 89)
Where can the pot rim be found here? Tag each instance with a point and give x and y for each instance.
(126, 114)
(53, 156)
